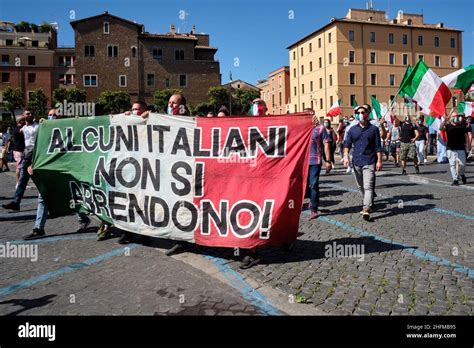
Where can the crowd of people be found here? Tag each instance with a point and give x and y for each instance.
(360, 142)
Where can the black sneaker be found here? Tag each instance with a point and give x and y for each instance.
(83, 226)
(125, 238)
(37, 233)
(417, 170)
(175, 249)
(249, 261)
(463, 178)
(11, 206)
(404, 172)
(455, 183)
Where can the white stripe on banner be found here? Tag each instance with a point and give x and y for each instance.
(427, 89)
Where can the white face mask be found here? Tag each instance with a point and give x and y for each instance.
(136, 113)
(169, 110)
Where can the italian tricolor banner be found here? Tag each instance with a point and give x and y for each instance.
(235, 182)
(427, 90)
(335, 110)
(435, 123)
(461, 79)
(376, 112)
(466, 108)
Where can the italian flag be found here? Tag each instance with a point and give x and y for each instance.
(427, 89)
(335, 110)
(466, 108)
(435, 122)
(376, 112)
(461, 79)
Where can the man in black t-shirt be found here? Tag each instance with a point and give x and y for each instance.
(456, 145)
(18, 144)
(422, 140)
(408, 135)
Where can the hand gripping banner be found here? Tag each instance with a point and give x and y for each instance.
(228, 182)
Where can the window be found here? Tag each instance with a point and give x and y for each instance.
(295, 90)
(351, 35)
(302, 88)
(89, 51)
(330, 58)
(301, 51)
(320, 62)
(294, 72)
(312, 105)
(5, 77)
(273, 85)
(374, 96)
(273, 100)
(319, 43)
(329, 37)
(5, 59)
(31, 60)
(391, 58)
(90, 80)
(31, 77)
(453, 43)
(179, 55)
(157, 54)
(392, 97)
(167, 82)
(134, 52)
(352, 78)
(420, 40)
(279, 98)
(353, 98)
(372, 36)
(310, 47)
(302, 106)
(302, 69)
(390, 38)
(122, 80)
(295, 108)
(66, 79)
(351, 56)
(65, 61)
(331, 100)
(310, 66)
(436, 41)
(421, 57)
(405, 39)
(392, 80)
(372, 57)
(330, 80)
(106, 28)
(112, 51)
(454, 62)
(183, 81)
(405, 59)
(320, 83)
(294, 55)
(373, 79)
(437, 61)
(34, 43)
(311, 86)
(320, 103)
(9, 42)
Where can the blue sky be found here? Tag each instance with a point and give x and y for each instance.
(256, 32)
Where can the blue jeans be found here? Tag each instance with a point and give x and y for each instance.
(314, 170)
(23, 181)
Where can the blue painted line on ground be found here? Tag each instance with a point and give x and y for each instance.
(49, 239)
(438, 210)
(64, 270)
(254, 297)
(414, 251)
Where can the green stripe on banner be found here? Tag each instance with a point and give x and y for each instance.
(413, 80)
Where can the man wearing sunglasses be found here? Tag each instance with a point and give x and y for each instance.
(367, 156)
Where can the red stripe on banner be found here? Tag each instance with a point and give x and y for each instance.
(262, 196)
(440, 100)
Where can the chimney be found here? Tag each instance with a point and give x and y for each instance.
(172, 29)
(440, 25)
(193, 30)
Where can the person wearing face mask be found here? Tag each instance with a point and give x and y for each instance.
(367, 156)
(456, 146)
(350, 123)
(333, 137)
(29, 131)
(422, 140)
(408, 136)
(177, 105)
(258, 107)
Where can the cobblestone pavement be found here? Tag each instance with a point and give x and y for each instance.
(417, 258)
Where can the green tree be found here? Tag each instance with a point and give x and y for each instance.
(71, 95)
(23, 27)
(45, 27)
(114, 102)
(38, 103)
(201, 109)
(161, 98)
(241, 100)
(218, 96)
(13, 99)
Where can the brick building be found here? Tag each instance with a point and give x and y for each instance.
(113, 53)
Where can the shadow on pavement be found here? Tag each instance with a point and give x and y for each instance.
(28, 304)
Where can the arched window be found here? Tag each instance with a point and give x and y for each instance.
(134, 52)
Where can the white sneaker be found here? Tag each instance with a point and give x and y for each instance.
(425, 161)
(348, 170)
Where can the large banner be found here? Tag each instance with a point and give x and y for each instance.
(230, 182)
